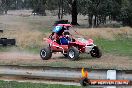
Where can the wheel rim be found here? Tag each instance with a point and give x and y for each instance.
(71, 54)
(43, 53)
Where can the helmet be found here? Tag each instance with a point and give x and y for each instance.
(57, 29)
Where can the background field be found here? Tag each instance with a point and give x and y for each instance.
(115, 43)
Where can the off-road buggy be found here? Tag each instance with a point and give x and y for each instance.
(73, 49)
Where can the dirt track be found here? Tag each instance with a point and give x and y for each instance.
(105, 62)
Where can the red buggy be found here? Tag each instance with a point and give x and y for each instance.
(73, 49)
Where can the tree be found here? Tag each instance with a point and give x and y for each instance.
(39, 7)
(5, 5)
(126, 13)
(98, 10)
(1, 9)
(70, 7)
(28, 4)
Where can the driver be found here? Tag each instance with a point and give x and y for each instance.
(55, 33)
(65, 40)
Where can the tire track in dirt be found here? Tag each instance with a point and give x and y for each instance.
(17, 55)
(106, 61)
(22, 55)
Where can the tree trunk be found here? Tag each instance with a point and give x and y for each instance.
(59, 13)
(90, 20)
(95, 21)
(74, 12)
(5, 11)
(62, 9)
(98, 20)
(16, 4)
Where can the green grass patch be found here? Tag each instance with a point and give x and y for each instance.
(35, 50)
(13, 84)
(3, 49)
(32, 50)
(8, 48)
(120, 46)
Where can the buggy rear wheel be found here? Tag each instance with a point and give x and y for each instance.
(46, 53)
(96, 52)
(73, 53)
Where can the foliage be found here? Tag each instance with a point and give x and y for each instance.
(126, 13)
(98, 11)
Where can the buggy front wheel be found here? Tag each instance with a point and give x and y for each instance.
(96, 52)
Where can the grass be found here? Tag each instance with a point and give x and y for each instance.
(13, 84)
(4, 49)
(9, 48)
(33, 50)
(121, 47)
(117, 41)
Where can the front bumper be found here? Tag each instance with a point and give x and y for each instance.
(89, 48)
